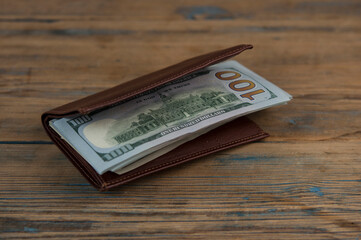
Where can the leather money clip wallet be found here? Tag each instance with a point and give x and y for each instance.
(237, 132)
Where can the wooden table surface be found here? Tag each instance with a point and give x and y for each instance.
(303, 182)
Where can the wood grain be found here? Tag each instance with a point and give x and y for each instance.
(303, 182)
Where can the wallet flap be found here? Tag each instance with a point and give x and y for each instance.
(141, 84)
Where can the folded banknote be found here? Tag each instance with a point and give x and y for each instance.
(135, 131)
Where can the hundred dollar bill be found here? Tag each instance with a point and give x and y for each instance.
(115, 137)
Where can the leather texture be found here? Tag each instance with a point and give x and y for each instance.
(237, 132)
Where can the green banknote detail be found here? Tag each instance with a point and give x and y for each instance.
(174, 114)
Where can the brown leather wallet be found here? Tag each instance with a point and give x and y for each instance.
(237, 132)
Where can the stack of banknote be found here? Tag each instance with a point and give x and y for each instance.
(133, 132)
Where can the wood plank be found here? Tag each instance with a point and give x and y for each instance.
(174, 10)
(288, 189)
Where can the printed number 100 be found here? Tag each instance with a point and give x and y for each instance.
(231, 75)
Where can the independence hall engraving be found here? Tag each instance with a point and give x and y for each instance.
(174, 110)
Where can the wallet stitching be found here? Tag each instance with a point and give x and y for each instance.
(85, 109)
(183, 158)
